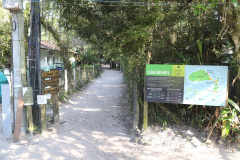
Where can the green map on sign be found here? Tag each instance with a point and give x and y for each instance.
(202, 75)
(205, 85)
(187, 84)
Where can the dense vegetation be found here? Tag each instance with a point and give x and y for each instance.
(176, 32)
(5, 37)
(158, 32)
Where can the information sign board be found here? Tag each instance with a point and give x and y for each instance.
(27, 96)
(50, 74)
(186, 84)
(48, 96)
(51, 82)
(51, 90)
(41, 99)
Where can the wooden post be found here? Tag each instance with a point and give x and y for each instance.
(85, 75)
(43, 117)
(18, 122)
(89, 74)
(30, 119)
(66, 81)
(80, 75)
(145, 117)
(55, 108)
(74, 78)
(145, 110)
(145, 107)
(53, 83)
(224, 123)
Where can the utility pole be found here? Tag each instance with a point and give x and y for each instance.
(34, 57)
(18, 53)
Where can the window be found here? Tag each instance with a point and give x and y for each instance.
(48, 61)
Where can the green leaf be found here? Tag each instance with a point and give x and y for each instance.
(181, 56)
(235, 3)
(234, 113)
(224, 119)
(234, 105)
(204, 8)
(190, 106)
(228, 127)
(225, 111)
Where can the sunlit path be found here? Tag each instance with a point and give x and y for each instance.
(91, 129)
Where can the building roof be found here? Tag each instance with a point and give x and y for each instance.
(49, 46)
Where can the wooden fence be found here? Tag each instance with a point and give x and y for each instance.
(70, 81)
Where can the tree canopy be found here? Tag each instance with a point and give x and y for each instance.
(5, 37)
(205, 32)
(177, 32)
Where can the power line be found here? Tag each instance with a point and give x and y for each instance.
(123, 2)
(126, 2)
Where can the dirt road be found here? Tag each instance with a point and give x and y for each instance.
(91, 129)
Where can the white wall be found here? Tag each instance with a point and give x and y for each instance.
(46, 59)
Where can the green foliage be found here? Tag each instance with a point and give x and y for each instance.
(235, 2)
(63, 97)
(5, 37)
(164, 125)
(232, 116)
(199, 34)
(89, 58)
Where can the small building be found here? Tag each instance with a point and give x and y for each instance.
(50, 56)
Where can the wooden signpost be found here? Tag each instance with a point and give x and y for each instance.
(52, 82)
(28, 102)
(52, 88)
(50, 74)
(42, 101)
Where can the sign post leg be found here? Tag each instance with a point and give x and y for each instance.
(145, 117)
(30, 119)
(43, 117)
(55, 108)
(224, 123)
(145, 111)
